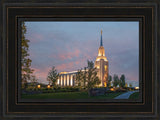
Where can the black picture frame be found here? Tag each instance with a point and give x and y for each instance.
(13, 11)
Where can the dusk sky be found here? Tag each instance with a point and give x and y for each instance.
(68, 46)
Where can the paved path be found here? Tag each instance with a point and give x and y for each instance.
(125, 95)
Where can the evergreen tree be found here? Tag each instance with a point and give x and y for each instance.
(92, 79)
(52, 76)
(130, 84)
(109, 81)
(116, 80)
(84, 77)
(25, 60)
(126, 84)
(79, 78)
(122, 81)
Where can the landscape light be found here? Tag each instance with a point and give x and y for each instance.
(136, 88)
(48, 86)
(39, 86)
(112, 89)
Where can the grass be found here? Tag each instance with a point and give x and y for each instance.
(70, 95)
(134, 96)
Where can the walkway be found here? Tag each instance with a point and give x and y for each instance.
(125, 95)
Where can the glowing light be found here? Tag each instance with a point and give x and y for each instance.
(67, 79)
(61, 80)
(136, 88)
(97, 67)
(105, 84)
(101, 57)
(63, 72)
(105, 67)
(58, 81)
(71, 72)
(126, 85)
(99, 54)
(48, 86)
(98, 59)
(111, 89)
(71, 80)
(39, 86)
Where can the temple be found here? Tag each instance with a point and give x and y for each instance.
(101, 64)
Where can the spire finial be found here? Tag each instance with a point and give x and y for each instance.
(101, 44)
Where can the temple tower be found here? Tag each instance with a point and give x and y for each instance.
(101, 64)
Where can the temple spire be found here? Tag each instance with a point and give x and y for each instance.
(101, 44)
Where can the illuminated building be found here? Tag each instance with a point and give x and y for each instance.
(101, 63)
(67, 78)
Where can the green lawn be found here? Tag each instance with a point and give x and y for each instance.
(70, 95)
(134, 96)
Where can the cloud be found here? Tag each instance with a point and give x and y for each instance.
(65, 66)
(62, 45)
(41, 74)
(64, 55)
(35, 37)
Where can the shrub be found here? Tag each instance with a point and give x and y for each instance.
(48, 90)
(109, 91)
(66, 89)
(120, 90)
(30, 88)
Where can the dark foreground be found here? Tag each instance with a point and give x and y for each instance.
(71, 95)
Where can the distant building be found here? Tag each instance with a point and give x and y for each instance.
(101, 63)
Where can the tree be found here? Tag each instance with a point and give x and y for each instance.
(116, 80)
(109, 81)
(79, 78)
(92, 79)
(84, 77)
(130, 85)
(33, 79)
(126, 84)
(25, 60)
(52, 76)
(122, 81)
